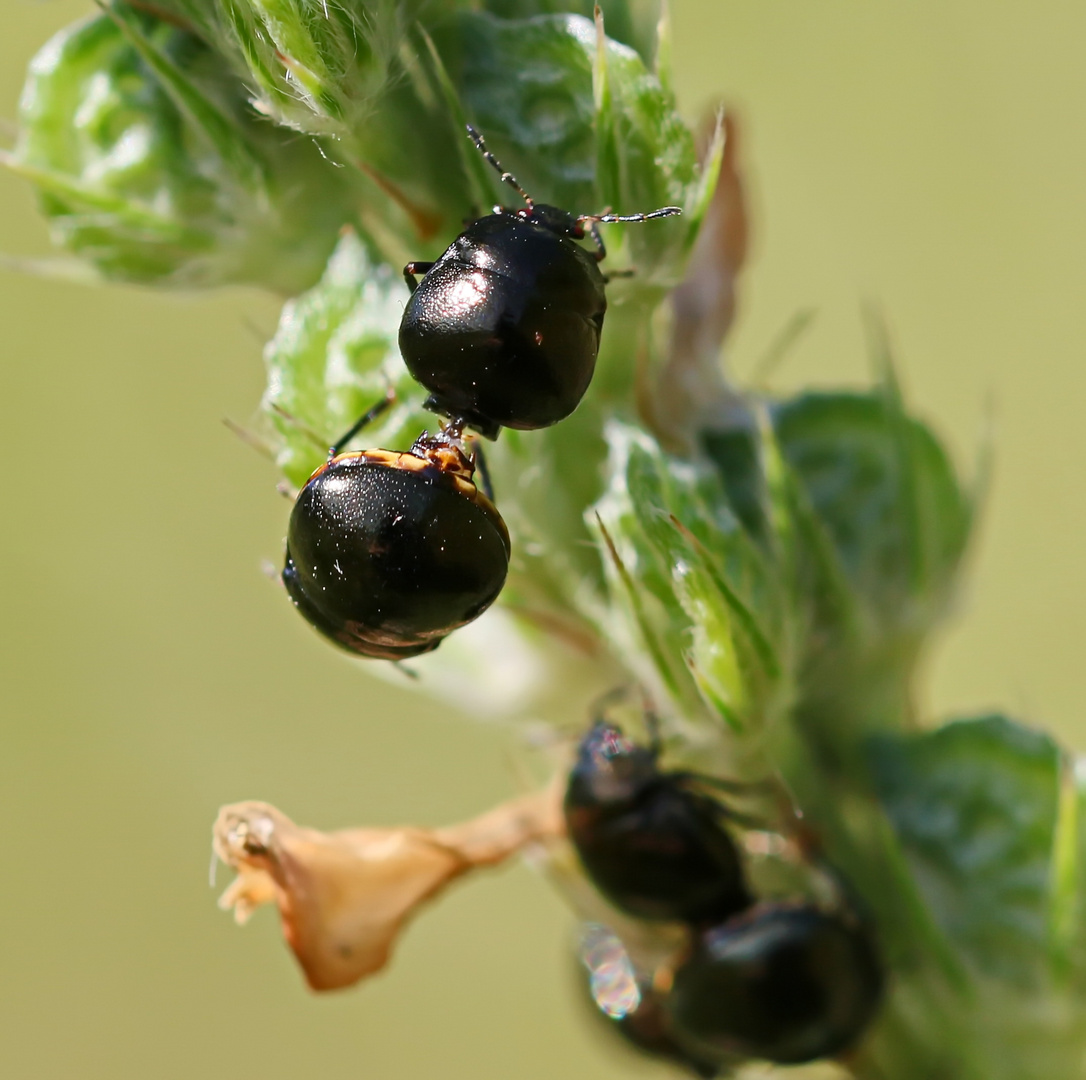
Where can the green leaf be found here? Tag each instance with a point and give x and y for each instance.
(630, 22)
(335, 355)
(989, 816)
(975, 805)
(887, 493)
(152, 168)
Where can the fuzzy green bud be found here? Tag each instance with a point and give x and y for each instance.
(317, 67)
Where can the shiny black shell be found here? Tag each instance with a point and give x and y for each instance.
(388, 553)
(504, 329)
(651, 844)
(785, 982)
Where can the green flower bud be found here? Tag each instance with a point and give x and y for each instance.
(151, 167)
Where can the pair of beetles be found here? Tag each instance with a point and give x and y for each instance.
(784, 981)
(388, 553)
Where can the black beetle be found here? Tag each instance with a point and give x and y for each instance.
(504, 328)
(787, 982)
(387, 553)
(652, 843)
(626, 1000)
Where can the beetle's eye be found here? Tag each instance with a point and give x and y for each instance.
(612, 744)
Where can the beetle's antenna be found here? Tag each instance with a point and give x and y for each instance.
(507, 177)
(607, 219)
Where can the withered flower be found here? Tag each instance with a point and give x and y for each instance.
(344, 896)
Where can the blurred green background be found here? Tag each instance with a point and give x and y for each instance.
(927, 157)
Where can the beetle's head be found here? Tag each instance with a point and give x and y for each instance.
(560, 222)
(610, 767)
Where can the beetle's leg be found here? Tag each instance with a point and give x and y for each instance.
(507, 177)
(412, 270)
(364, 420)
(593, 230)
(744, 821)
(733, 787)
(478, 459)
(652, 726)
(767, 786)
(721, 812)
